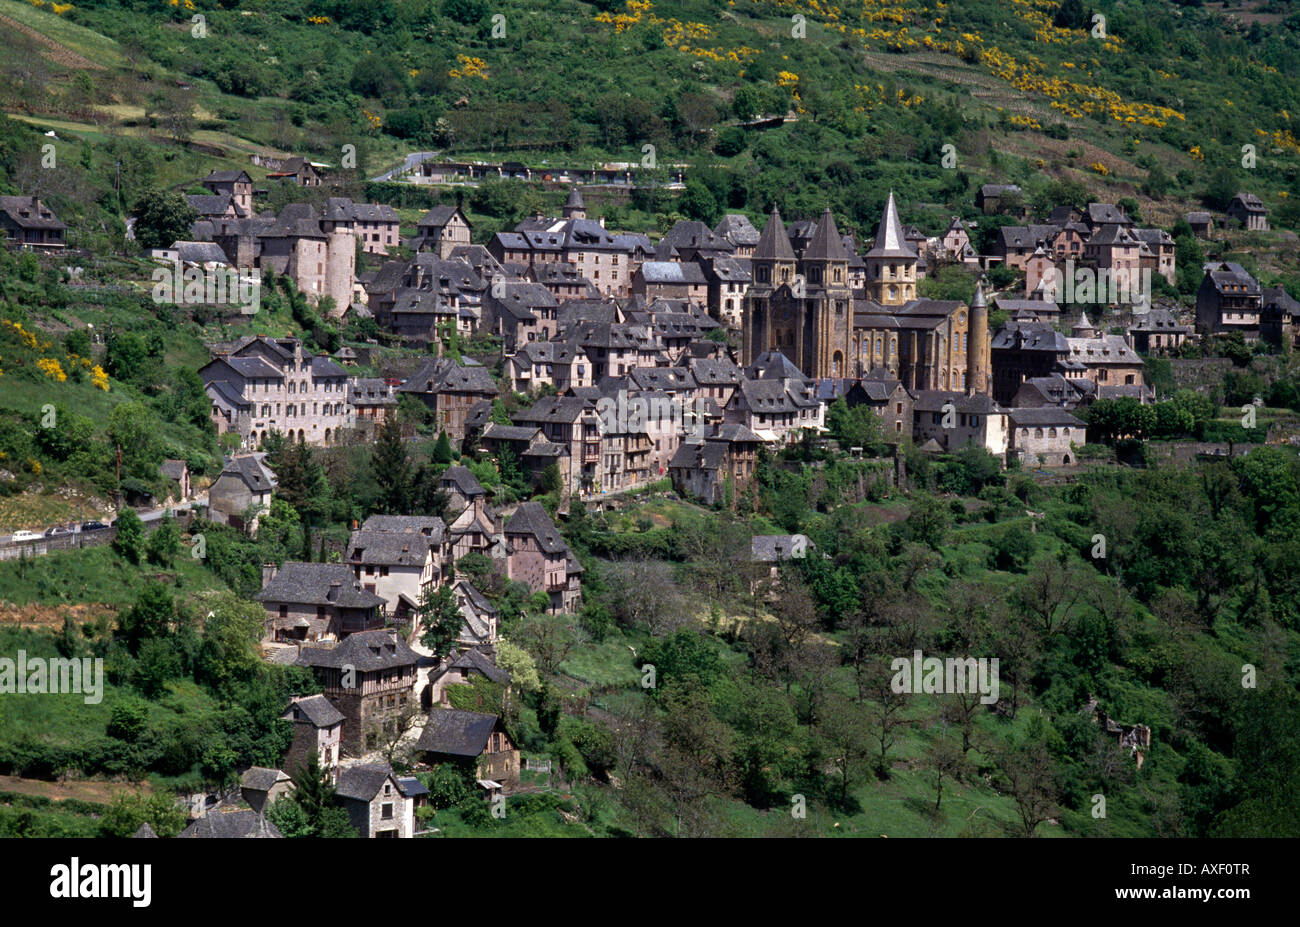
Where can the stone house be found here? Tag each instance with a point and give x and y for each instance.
(1229, 299)
(725, 461)
(671, 280)
(299, 170)
(460, 669)
(370, 678)
(1250, 211)
(471, 738)
(441, 229)
(235, 184)
(317, 731)
(1279, 321)
(954, 420)
(548, 363)
(260, 385)
(312, 601)
(742, 234)
(399, 567)
(178, 472)
(573, 425)
(1159, 332)
(1044, 436)
(241, 493)
(1108, 360)
(728, 280)
(375, 801)
(450, 390)
(992, 197)
(537, 556)
(261, 787)
(376, 225)
(26, 222)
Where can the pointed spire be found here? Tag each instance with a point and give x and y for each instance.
(890, 241)
(774, 243)
(826, 244)
(979, 302)
(1083, 320)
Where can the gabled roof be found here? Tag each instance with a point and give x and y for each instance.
(262, 779)
(366, 651)
(316, 710)
(388, 548)
(227, 823)
(441, 374)
(363, 782)
(250, 470)
(738, 230)
(456, 733)
(531, 519)
(463, 480)
(312, 584)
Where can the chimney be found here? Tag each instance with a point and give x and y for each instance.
(333, 594)
(268, 573)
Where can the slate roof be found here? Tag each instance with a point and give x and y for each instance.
(250, 470)
(363, 782)
(738, 230)
(673, 272)
(388, 548)
(530, 518)
(441, 374)
(473, 659)
(310, 584)
(431, 526)
(827, 244)
(26, 214)
(261, 779)
(456, 733)
(365, 651)
(438, 217)
(1030, 336)
(316, 710)
(774, 243)
(1106, 214)
(224, 824)
(463, 480)
(933, 400)
(1042, 415)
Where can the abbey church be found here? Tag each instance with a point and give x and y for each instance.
(802, 303)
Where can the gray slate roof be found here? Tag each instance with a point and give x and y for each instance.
(456, 733)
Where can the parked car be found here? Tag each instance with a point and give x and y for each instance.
(26, 536)
(57, 530)
(93, 526)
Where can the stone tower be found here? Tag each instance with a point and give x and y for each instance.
(774, 266)
(828, 302)
(574, 207)
(978, 345)
(891, 262)
(340, 268)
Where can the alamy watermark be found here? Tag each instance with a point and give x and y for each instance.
(1099, 285)
(621, 414)
(57, 676)
(950, 676)
(195, 286)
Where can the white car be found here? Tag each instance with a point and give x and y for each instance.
(21, 536)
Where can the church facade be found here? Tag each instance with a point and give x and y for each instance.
(801, 304)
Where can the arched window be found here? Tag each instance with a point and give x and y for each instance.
(1038, 432)
(1051, 432)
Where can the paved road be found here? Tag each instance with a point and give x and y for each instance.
(406, 166)
(148, 516)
